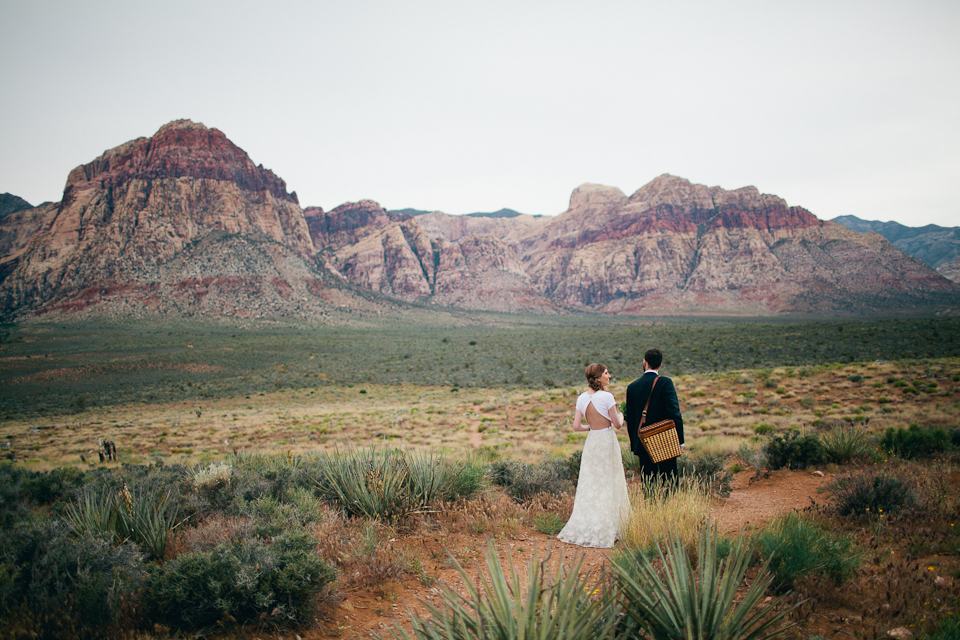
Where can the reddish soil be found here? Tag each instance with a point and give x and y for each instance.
(362, 614)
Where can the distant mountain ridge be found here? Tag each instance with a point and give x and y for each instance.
(933, 244)
(185, 222)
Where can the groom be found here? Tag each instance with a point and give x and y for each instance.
(663, 406)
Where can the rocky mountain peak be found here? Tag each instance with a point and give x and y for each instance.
(179, 149)
(594, 196)
(680, 192)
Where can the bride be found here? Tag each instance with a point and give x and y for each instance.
(601, 505)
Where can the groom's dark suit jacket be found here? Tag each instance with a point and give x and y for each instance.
(663, 406)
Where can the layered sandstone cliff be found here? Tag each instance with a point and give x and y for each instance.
(678, 247)
(396, 255)
(128, 220)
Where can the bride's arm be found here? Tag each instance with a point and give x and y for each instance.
(615, 417)
(578, 422)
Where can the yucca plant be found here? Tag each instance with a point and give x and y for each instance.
(845, 444)
(94, 512)
(150, 518)
(370, 483)
(675, 600)
(146, 517)
(553, 604)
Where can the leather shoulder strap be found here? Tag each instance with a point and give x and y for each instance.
(643, 415)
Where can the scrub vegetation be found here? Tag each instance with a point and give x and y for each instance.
(269, 477)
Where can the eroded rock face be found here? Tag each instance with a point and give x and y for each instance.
(396, 256)
(677, 247)
(128, 214)
(951, 270)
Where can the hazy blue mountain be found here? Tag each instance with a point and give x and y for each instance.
(934, 245)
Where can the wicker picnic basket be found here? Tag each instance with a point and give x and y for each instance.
(660, 440)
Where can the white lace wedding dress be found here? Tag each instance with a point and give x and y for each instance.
(601, 505)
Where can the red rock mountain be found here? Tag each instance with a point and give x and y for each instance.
(678, 247)
(184, 221)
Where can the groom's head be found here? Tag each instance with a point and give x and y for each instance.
(653, 358)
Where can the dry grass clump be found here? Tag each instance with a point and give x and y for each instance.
(487, 511)
(661, 508)
(716, 445)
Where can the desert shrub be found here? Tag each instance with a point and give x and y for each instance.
(761, 429)
(710, 469)
(872, 493)
(555, 603)
(22, 489)
(914, 442)
(522, 481)
(434, 481)
(548, 523)
(794, 546)
(57, 584)
(675, 599)
(271, 517)
(843, 444)
(392, 484)
(276, 584)
(753, 455)
(793, 450)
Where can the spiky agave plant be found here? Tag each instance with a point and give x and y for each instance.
(678, 601)
(371, 483)
(553, 604)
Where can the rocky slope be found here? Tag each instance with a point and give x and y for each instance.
(934, 245)
(436, 259)
(174, 221)
(950, 270)
(678, 247)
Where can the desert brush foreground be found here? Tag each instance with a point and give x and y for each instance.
(369, 465)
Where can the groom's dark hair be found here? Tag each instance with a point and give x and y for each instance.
(654, 358)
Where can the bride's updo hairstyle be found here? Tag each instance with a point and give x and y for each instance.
(593, 374)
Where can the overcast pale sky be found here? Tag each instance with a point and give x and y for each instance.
(841, 107)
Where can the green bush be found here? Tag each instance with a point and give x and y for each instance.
(793, 450)
(674, 599)
(275, 584)
(548, 523)
(21, 489)
(58, 584)
(915, 442)
(872, 494)
(522, 481)
(761, 429)
(795, 546)
(710, 468)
